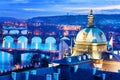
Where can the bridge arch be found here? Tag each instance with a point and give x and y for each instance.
(22, 42)
(5, 31)
(24, 32)
(36, 42)
(36, 39)
(22, 39)
(14, 32)
(8, 39)
(50, 40)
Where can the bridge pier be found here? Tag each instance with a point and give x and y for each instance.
(57, 40)
(29, 37)
(8, 31)
(43, 40)
(29, 41)
(20, 31)
(16, 58)
(15, 40)
(1, 40)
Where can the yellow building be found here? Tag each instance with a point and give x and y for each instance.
(90, 40)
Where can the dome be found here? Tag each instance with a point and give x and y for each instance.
(92, 35)
(90, 40)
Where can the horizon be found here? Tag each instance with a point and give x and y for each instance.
(55, 16)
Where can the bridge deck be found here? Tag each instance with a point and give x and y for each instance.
(23, 51)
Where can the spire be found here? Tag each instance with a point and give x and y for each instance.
(91, 12)
(90, 19)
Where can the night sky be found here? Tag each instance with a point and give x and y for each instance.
(32, 8)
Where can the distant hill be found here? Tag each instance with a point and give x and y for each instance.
(8, 19)
(78, 19)
(103, 21)
(70, 19)
(100, 19)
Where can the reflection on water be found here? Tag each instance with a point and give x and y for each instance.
(5, 60)
(25, 58)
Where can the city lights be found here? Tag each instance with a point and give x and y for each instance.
(59, 40)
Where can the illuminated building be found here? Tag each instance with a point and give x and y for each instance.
(90, 50)
(91, 40)
(69, 30)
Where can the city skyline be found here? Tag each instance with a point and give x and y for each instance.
(76, 46)
(32, 8)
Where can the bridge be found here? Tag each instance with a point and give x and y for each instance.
(29, 37)
(29, 34)
(9, 29)
(18, 52)
(23, 51)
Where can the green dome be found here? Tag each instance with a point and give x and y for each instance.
(91, 34)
